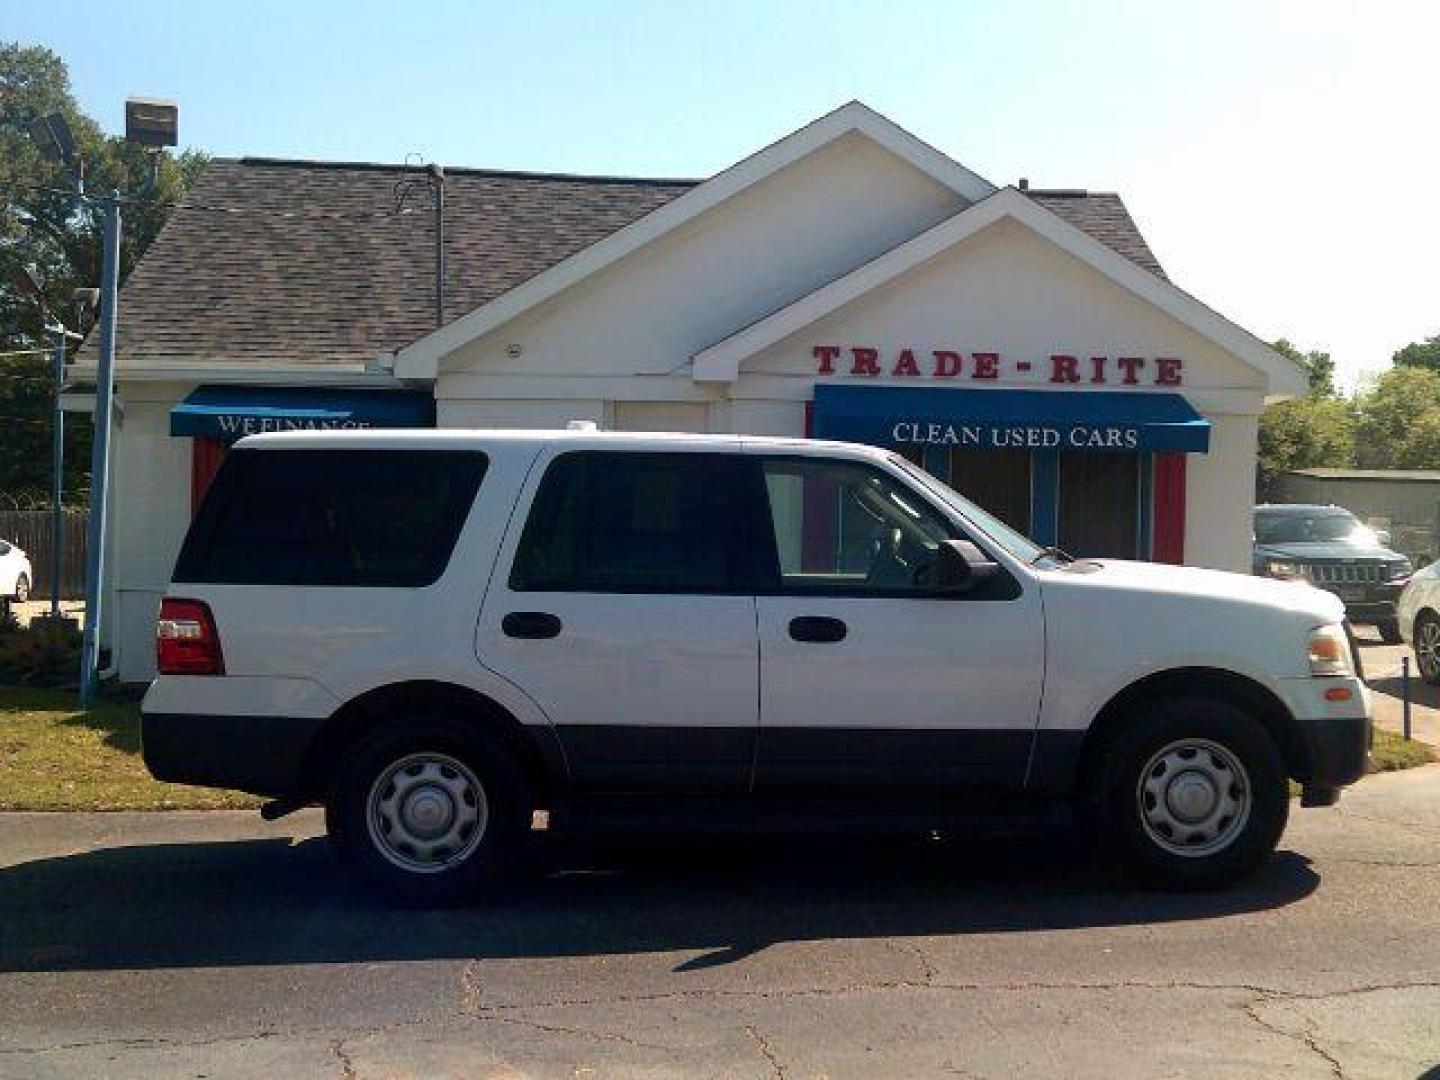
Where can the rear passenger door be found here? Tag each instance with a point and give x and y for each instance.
(622, 606)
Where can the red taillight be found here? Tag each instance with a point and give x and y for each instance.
(185, 639)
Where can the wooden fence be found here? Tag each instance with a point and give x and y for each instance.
(30, 530)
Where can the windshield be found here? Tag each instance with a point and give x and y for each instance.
(1325, 527)
(1017, 544)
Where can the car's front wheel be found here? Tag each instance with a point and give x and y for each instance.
(1427, 648)
(431, 812)
(1193, 793)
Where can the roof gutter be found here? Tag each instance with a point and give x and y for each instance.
(374, 375)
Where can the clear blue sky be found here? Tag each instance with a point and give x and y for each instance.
(1268, 150)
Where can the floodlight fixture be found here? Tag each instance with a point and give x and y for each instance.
(52, 136)
(152, 122)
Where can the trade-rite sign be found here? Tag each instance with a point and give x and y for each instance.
(1063, 369)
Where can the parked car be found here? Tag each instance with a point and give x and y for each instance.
(1332, 549)
(15, 573)
(436, 633)
(1419, 616)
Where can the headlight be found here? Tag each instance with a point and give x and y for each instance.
(1283, 569)
(1328, 651)
(1398, 570)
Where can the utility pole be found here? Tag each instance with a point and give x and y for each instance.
(57, 470)
(153, 124)
(100, 453)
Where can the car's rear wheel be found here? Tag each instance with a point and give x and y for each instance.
(1427, 648)
(1389, 631)
(1193, 793)
(22, 589)
(432, 812)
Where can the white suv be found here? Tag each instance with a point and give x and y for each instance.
(437, 633)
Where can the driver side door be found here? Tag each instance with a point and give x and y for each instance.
(872, 680)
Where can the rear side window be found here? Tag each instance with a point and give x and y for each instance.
(331, 517)
(637, 523)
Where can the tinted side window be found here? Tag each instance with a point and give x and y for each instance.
(608, 522)
(331, 517)
(844, 528)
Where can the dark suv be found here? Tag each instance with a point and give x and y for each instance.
(1332, 549)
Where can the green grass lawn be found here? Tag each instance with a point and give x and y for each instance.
(54, 757)
(1392, 752)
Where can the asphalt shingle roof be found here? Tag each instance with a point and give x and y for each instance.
(1103, 216)
(307, 263)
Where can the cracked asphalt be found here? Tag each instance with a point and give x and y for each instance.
(211, 944)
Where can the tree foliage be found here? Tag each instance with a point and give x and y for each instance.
(1420, 354)
(1305, 433)
(1398, 421)
(1319, 366)
(44, 226)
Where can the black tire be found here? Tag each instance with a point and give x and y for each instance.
(1389, 631)
(1154, 745)
(374, 837)
(1426, 642)
(22, 589)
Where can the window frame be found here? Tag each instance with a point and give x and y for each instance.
(739, 536)
(1004, 587)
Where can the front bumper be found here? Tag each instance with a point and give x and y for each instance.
(1335, 736)
(1337, 749)
(1370, 603)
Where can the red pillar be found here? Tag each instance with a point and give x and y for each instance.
(1168, 542)
(205, 459)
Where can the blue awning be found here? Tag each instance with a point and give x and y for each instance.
(1104, 421)
(232, 412)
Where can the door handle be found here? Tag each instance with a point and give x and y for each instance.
(530, 624)
(818, 628)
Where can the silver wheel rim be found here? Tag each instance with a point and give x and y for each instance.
(1427, 648)
(1194, 798)
(427, 813)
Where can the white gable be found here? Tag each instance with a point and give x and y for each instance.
(780, 239)
(850, 123)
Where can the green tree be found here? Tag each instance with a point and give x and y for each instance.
(1319, 366)
(1304, 433)
(43, 226)
(1420, 354)
(1397, 420)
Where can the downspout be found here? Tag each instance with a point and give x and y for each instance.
(437, 179)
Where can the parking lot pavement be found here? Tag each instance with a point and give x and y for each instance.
(1383, 673)
(210, 943)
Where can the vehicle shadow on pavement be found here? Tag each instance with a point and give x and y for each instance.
(270, 902)
(1422, 694)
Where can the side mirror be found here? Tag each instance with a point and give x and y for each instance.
(961, 567)
(1382, 537)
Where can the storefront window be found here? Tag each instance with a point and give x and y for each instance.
(997, 480)
(1100, 505)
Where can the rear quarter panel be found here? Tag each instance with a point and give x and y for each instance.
(307, 651)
